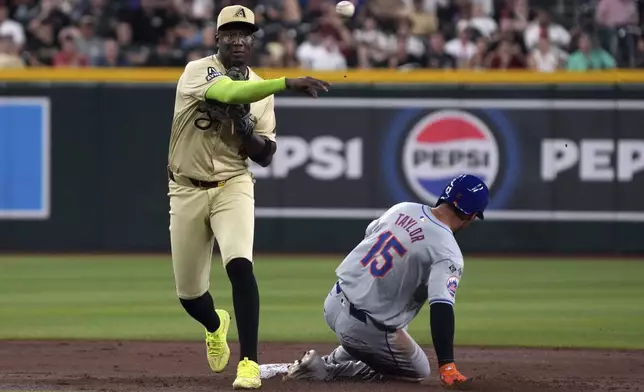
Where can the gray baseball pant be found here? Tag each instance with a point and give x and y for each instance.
(366, 351)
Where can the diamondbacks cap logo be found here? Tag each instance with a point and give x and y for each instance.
(240, 13)
(445, 144)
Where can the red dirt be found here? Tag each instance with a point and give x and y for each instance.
(178, 366)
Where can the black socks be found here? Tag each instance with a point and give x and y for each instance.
(246, 303)
(202, 309)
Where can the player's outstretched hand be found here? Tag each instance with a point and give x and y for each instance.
(307, 85)
(450, 376)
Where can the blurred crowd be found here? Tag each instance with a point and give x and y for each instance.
(543, 35)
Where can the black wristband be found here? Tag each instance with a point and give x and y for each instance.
(442, 324)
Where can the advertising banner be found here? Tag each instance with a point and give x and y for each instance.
(545, 160)
(83, 166)
(24, 158)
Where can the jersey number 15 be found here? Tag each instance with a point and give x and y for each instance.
(383, 247)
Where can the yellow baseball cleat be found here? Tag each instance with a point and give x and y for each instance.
(247, 375)
(218, 350)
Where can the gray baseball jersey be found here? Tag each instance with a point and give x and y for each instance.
(406, 257)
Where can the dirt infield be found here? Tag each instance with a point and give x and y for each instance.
(172, 366)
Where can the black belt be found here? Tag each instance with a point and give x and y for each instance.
(361, 315)
(199, 183)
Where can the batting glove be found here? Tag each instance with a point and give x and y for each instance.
(450, 376)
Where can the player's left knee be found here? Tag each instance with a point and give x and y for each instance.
(417, 376)
(423, 372)
(240, 270)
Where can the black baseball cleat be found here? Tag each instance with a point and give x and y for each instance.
(310, 367)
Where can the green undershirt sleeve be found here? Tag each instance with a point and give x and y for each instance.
(237, 92)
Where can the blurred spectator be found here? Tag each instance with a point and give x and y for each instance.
(133, 54)
(639, 53)
(508, 30)
(112, 56)
(374, 47)
(330, 24)
(545, 57)
(11, 28)
(195, 54)
(431, 6)
(102, 13)
(320, 53)
(383, 33)
(69, 56)
(208, 39)
(436, 55)
(479, 21)
(543, 27)
(462, 48)
(617, 22)
(189, 35)
(26, 10)
(165, 54)
(281, 53)
(388, 12)
(197, 10)
(514, 13)
(410, 49)
(616, 13)
(487, 6)
(291, 13)
(41, 48)
(151, 21)
(9, 54)
(506, 56)
(51, 13)
(589, 56)
(449, 12)
(271, 12)
(423, 20)
(88, 43)
(478, 60)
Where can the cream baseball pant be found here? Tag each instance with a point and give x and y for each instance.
(200, 216)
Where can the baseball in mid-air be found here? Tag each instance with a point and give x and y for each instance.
(345, 8)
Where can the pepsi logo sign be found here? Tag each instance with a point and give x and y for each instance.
(445, 144)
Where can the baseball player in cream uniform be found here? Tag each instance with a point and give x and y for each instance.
(223, 115)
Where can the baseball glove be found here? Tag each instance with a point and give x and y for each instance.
(240, 114)
(236, 73)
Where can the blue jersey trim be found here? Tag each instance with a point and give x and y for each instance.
(433, 221)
